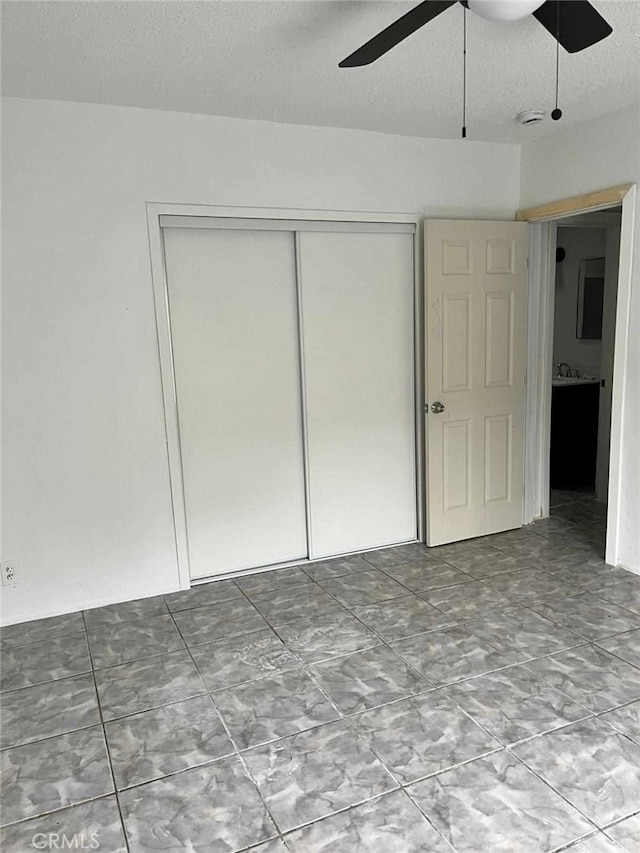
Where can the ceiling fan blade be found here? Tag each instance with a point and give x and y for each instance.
(575, 23)
(396, 32)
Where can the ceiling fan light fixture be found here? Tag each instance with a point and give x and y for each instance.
(504, 10)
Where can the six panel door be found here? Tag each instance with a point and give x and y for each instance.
(476, 330)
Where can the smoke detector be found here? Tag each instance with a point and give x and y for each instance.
(528, 117)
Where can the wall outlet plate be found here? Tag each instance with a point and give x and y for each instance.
(10, 573)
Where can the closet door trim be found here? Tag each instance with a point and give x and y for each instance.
(297, 225)
(273, 219)
(303, 394)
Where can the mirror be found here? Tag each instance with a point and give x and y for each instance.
(590, 299)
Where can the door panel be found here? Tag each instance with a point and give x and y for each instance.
(357, 306)
(456, 342)
(456, 485)
(476, 323)
(497, 454)
(234, 325)
(499, 337)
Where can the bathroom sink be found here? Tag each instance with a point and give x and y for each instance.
(573, 380)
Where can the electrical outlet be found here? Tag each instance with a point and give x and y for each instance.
(10, 573)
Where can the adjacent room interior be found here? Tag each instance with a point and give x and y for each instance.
(585, 299)
(586, 283)
(320, 444)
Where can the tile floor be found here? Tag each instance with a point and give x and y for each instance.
(481, 697)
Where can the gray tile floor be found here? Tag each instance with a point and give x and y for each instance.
(481, 697)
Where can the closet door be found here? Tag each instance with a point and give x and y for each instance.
(234, 326)
(357, 305)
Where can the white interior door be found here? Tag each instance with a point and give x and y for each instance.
(358, 340)
(234, 326)
(476, 325)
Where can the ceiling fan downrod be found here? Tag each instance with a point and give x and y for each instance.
(464, 72)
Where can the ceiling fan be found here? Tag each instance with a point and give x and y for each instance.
(574, 23)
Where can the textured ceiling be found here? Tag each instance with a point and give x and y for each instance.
(278, 61)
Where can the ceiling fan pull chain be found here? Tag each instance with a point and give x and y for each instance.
(464, 72)
(556, 114)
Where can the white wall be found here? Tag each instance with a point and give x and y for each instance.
(87, 507)
(593, 156)
(579, 243)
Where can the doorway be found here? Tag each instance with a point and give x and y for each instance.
(585, 297)
(546, 221)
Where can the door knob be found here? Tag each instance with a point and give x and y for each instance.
(436, 408)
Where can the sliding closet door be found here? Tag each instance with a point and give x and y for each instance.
(234, 325)
(357, 298)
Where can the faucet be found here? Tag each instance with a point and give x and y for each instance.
(568, 369)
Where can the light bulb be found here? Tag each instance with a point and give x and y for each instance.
(504, 10)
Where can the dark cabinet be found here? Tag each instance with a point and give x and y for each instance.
(574, 436)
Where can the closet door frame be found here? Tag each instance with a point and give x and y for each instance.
(213, 216)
